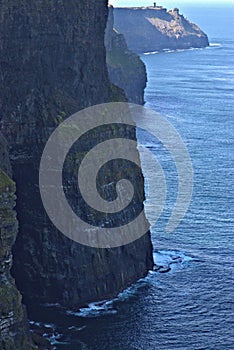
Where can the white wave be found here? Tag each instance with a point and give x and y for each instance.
(55, 339)
(151, 53)
(107, 307)
(184, 50)
(41, 324)
(194, 49)
(215, 45)
(38, 324)
(94, 310)
(172, 50)
(50, 332)
(167, 260)
(130, 291)
(162, 258)
(78, 329)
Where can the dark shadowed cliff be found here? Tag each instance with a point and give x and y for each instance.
(52, 64)
(13, 330)
(150, 29)
(125, 68)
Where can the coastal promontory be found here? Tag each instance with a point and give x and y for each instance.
(148, 29)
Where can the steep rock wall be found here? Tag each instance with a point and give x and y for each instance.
(125, 68)
(52, 63)
(150, 29)
(13, 329)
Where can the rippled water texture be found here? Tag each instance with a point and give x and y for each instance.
(191, 306)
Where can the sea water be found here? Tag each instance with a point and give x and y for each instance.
(191, 306)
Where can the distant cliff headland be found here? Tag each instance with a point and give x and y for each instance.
(155, 28)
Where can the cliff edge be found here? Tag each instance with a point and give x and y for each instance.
(125, 68)
(148, 29)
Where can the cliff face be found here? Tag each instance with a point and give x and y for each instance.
(150, 29)
(52, 63)
(125, 68)
(13, 330)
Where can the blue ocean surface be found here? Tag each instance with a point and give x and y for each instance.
(191, 307)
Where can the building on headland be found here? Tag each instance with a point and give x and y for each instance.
(157, 7)
(176, 10)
